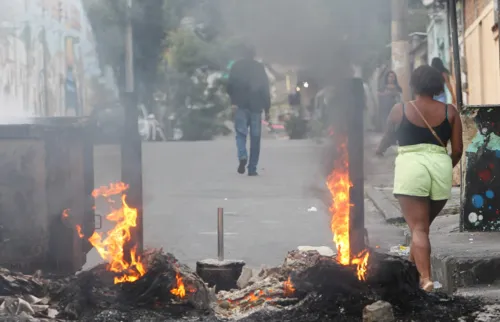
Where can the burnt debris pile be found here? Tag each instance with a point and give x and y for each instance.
(168, 289)
(321, 289)
(307, 287)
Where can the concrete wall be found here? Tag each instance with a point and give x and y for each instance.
(482, 56)
(481, 211)
(420, 56)
(481, 203)
(48, 62)
(438, 41)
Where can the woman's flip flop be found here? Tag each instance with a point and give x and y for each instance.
(428, 286)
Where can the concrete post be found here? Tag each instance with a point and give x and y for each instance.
(452, 9)
(401, 46)
(131, 145)
(355, 148)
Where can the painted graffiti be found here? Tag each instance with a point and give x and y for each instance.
(48, 60)
(481, 205)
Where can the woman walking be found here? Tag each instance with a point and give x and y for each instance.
(437, 63)
(388, 95)
(423, 172)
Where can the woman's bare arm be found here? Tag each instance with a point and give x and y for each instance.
(390, 128)
(457, 143)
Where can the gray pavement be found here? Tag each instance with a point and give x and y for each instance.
(266, 216)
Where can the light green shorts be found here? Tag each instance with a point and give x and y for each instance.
(423, 170)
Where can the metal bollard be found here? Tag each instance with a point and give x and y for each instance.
(220, 234)
(223, 274)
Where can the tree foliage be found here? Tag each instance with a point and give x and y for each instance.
(195, 90)
(187, 52)
(151, 20)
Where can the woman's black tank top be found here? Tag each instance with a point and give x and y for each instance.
(411, 134)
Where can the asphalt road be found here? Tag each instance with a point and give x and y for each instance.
(184, 183)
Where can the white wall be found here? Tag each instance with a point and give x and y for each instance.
(35, 79)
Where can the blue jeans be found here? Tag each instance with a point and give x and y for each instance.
(243, 120)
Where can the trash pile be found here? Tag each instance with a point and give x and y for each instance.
(309, 286)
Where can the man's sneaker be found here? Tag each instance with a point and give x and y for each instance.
(241, 167)
(253, 174)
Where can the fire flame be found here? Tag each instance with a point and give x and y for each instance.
(79, 231)
(180, 290)
(361, 262)
(339, 184)
(111, 248)
(258, 295)
(288, 287)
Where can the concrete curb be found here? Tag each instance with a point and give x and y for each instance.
(386, 208)
(456, 262)
(455, 272)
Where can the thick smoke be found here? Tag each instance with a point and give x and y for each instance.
(324, 36)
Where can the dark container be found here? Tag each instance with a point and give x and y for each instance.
(46, 167)
(223, 275)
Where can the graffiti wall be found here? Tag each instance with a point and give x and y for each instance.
(48, 62)
(482, 190)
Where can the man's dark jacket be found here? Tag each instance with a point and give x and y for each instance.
(248, 86)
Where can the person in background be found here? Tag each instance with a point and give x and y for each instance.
(437, 63)
(423, 168)
(389, 94)
(248, 89)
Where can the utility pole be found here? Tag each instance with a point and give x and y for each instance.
(129, 51)
(400, 45)
(43, 111)
(131, 145)
(355, 147)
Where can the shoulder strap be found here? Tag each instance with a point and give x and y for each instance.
(427, 124)
(446, 111)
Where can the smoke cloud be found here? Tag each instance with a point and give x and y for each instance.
(323, 36)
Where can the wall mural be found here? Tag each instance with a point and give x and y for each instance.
(48, 62)
(481, 203)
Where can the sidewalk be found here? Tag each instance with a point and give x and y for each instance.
(463, 262)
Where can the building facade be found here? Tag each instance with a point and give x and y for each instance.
(438, 39)
(48, 61)
(482, 52)
(419, 54)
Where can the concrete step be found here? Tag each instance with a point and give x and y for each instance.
(464, 260)
(490, 293)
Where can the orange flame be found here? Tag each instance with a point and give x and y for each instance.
(180, 290)
(254, 297)
(79, 231)
(361, 262)
(113, 189)
(111, 248)
(289, 289)
(339, 184)
(65, 213)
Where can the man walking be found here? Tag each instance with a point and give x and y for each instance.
(248, 88)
